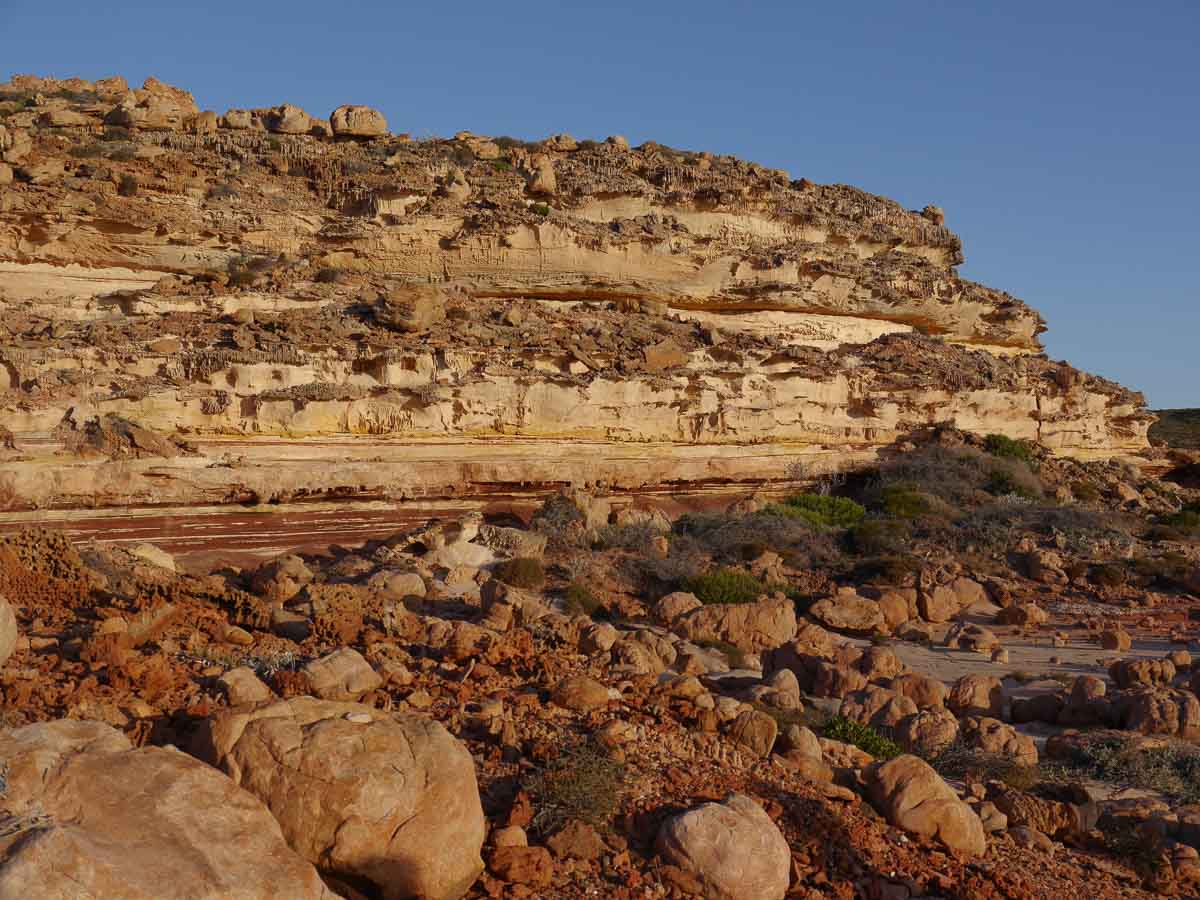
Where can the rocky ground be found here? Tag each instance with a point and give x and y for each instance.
(964, 674)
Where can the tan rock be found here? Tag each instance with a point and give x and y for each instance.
(911, 795)
(927, 731)
(387, 798)
(976, 695)
(993, 737)
(1116, 639)
(755, 731)
(733, 849)
(242, 686)
(751, 627)
(924, 690)
(342, 675)
(357, 121)
(848, 612)
(581, 693)
(8, 630)
(81, 792)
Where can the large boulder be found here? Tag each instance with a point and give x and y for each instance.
(927, 731)
(733, 849)
(847, 611)
(1056, 811)
(924, 690)
(944, 602)
(911, 795)
(357, 121)
(752, 627)
(96, 818)
(412, 308)
(1154, 710)
(977, 695)
(878, 707)
(993, 737)
(1133, 672)
(389, 799)
(342, 675)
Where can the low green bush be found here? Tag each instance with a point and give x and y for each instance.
(1007, 448)
(1172, 768)
(580, 601)
(879, 537)
(864, 737)
(522, 572)
(540, 209)
(580, 783)
(820, 509)
(725, 586)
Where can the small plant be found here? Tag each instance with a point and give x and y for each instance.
(522, 572)
(580, 601)
(127, 186)
(1006, 483)
(624, 537)
(888, 569)
(1172, 769)
(222, 192)
(501, 165)
(1085, 491)
(879, 537)
(1007, 448)
(958, 760)
(540, 209)
(328, 275)
(820, 509)
(903, 501)
(725, 586)
(1108, 575)
(580, 783)
(864, 737)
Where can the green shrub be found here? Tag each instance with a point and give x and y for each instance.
(864, 737)
(540, 209)
(580, 601)
(522, 572)
(820, 509)
(730, 537)
(903, 501)
(879, 537)
(890, 569)
(501, 165)
(623, 537)
(1085, 491)
(1108, 575)
(1010, 482)
(127, 186)
(1186, 522)
(1172, 769)
(580, 783)
(1007, 448)
(725, 586)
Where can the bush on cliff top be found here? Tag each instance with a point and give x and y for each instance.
(821, 510)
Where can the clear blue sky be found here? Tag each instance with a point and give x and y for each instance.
(1061, 137)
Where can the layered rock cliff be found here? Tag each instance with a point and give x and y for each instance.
(267, 306)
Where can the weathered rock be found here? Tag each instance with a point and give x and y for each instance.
(1152, 710)
(522, 865)
(8, 630)
(944, 602)
(878, 707)
(991, 736)
(1131, 672)
(675, 605)
(1116, 639)
(576, 840)
(733, 849)
(924, 690)
(967, 636)
(1022, 614)
(242, 686)
(105, 820)
(580, 693)
(342, 675)
(387, 798)
(412, 308)
(911, 795)
(836, 681)
(751, 627)
(755, 731)
(847, 611)
(977, 695)
(927, 731)
(357, 121)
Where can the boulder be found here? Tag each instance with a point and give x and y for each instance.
(675, 605)
(289, 119)
(357, 121)
(1057, 811)
(242, 686)
(1154, 710)
(878, 707)
(281, 579)
(832, 680)
(879, 664)
(752, 627)
(580, 693)
(732, 848)
(944, 602)
(755, 731)
(911, 795)
(542, 179)
(8, 630)
(847, 611)
(101, 819)
(927, 730)
(967, 636)
(924, 690)
(342, 675)
(976, 695)
(1116, 639)
(1022, 614)
(1132, 672)
(993, 737)
(385, 798)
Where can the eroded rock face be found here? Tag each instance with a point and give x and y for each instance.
(769, 312)
(391, 799)
(733, 848)
(123, 823)
(748, 626)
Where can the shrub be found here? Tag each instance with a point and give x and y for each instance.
(501, 165)
(903, 501)
(1085, 491)
(1108, 575)
(728, 536)
(580, 783)
(1007, 448)
(879, 537)
(87, 151)
(328, 275)
(819, 509)
(540, 209)
(1172, 768)
(1186, 522)
(958, 760)
(522, 572)
(864, 737)
(623, 537)
(1171, 570)
(893, 569)
(222, 192)
(1013, 481)
(127, 186)
(725, 586)
(580, 601)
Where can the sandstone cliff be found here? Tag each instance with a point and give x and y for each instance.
(286, 307)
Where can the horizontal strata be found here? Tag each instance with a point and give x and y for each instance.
(228, 280)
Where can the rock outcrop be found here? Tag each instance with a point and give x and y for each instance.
(269, 285)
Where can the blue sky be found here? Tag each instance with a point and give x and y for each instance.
(1061, 137)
